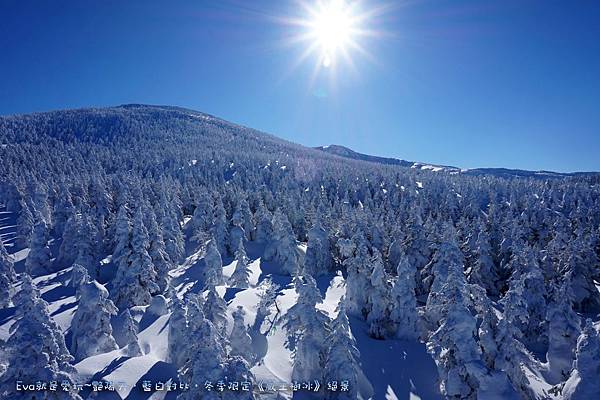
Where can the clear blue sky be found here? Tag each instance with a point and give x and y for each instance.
(511, 83)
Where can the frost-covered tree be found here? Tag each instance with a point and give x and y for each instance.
(583, 383)
(268, 297)
(177, 342)
(237, 233)
(210, 363)
(357, 282)
(213, 265)
(172, 236)
(136, 278)
(563, 330)
(240, 340)
(157, 251)
(342, 358)
(219, 227)
(241, 274)
(264, 225)
(318, 260)
(25, 224)
(308, 328)
(403, 313)
(130, 331)
(36, 350)
(91, 328)
(483, 272)
(282, 247)
(7, 276)
(378, 294)
(79, 276)
(38, 260)
(215, 310)
(458, 357)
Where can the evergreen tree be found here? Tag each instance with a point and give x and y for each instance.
(240, 340)
(38, 260)
(379, 300)
(7, 276)
(241, 274)
(282, 248)
(343, 357)
(130, 331)
(91, 328)
(318, 260)
(36, 349)
(213, 265)
(404, 303)
(136, 278)
(583, 383)
(215, 310)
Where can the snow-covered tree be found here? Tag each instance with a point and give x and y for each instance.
(458, 357)
(7, 276)
(172, 236)
(583, 383)
(282, 247)
(177, 343)
(483, 272)
(357, 282)
(38, 260)
(136, 278)
(25, 224)
(213, 265)
(130, 331)
(308, 328)
(403, 312)
(91, 328)
(264, 225)
(563, 330)
(240, 340)
(36, 350)
(318, 260)
(157, 251)
(378, 294)
(241, 274)
(342, 359)
(215, 310)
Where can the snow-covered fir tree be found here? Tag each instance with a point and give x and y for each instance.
(91, 328)
(38, 261)
(379, 299)
(130, 331)
(136, 278)
(36, 349)
(318, 260)
(282, 246)
(7, 276)
(403, 313)
(215, 310)
(240, 340)
(212, 274)
(241, 274)
(583, 382)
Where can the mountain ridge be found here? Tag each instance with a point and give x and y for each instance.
(346, 152)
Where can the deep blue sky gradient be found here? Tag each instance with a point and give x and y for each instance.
(504, 83)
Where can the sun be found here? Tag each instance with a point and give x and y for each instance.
(332, 30)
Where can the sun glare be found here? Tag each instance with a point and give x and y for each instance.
(332, 29)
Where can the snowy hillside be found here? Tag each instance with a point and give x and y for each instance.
(154, 252)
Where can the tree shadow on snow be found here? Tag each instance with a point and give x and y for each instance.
(394, 366)
(160, 372)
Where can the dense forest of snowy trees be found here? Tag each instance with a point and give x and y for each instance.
(497, 277)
